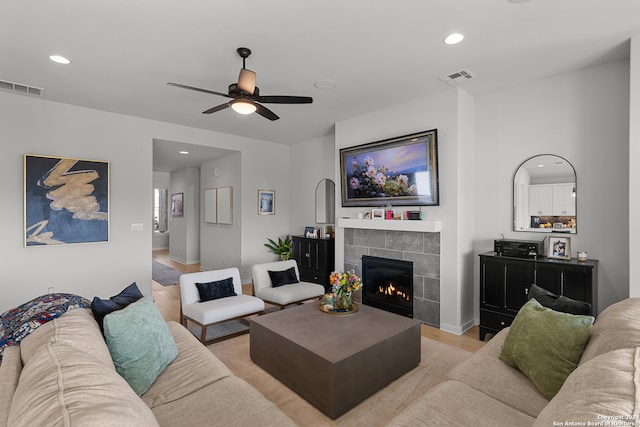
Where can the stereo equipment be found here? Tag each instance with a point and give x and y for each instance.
(519, 248)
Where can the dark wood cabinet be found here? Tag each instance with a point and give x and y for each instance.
(505, 283)
(315, 258)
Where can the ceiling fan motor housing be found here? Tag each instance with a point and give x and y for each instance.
(235, 91)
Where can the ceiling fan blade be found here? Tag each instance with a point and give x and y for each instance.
(198, 89)
(266, 113)
(247, 81)
(271, 99)
(216, 108)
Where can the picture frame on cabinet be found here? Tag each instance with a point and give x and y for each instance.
(309, 232)
(559, 248)
(377, 213)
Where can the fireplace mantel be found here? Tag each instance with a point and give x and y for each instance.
(425, 226)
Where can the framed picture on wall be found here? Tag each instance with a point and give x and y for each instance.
(211, 205)
(401, 171)
(225, 205)
(266, 202)
(559, 247)
(66, 200)
(177, 205)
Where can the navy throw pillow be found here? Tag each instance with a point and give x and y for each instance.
(559, 302)
(102, 307)
(216, 290)
(285, 277)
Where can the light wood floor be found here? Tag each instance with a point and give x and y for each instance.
(167, 298)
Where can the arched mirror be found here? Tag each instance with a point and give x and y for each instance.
(545, 195)
(325, 201)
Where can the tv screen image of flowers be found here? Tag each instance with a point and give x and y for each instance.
(401, 171)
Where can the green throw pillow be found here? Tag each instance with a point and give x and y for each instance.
(546, 345)
(140, 343)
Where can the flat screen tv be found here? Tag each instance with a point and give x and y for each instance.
(401, 171)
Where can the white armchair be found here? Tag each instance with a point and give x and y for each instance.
(216, 311)
(285, 294)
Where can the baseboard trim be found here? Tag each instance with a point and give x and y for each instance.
(181, 261)
(458, 330)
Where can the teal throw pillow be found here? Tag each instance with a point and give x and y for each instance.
(546, 345)
(140, 343)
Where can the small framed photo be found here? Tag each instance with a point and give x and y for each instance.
(559, 248)
(177, 207)
(266, 202)
(377, 213)
(309, 232)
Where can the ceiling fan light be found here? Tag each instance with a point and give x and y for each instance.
(241, 106)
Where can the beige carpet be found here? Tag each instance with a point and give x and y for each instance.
(436, 360)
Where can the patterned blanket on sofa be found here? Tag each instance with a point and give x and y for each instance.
(19, 322)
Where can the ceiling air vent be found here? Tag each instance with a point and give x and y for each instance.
(457, 77)
(21, 88)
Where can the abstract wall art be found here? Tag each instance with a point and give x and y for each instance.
(66, 200)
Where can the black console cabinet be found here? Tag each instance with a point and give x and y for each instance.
(315, 258)
(505, 283)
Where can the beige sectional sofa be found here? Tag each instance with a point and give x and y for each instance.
(603, 390)
(63, 375)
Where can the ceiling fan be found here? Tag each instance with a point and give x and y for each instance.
(245, 95)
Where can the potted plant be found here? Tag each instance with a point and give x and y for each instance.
(282, 247)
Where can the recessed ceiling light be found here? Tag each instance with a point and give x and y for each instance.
(59, 59)
(540, 166)
(454, 38)
(325, 84)
(184, 152)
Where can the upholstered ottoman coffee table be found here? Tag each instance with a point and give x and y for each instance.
(335, 361)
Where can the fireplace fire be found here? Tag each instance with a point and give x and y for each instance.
(388, 284)
(390, 290)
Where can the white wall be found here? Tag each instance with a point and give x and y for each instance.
(220, 243)
(37, 126)
(451, 113)
(466, 168)
(311, 161)
(266, 168)
(634, 173)
(583, 117)
(40, 127)
(184, 244)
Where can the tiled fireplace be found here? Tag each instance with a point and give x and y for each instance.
(420, 248)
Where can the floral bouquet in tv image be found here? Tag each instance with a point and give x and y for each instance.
(370, 180)
(343, 285)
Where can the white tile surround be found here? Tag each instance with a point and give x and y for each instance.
(416, 241)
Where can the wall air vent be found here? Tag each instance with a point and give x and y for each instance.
(457, 77)
(21, 88)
